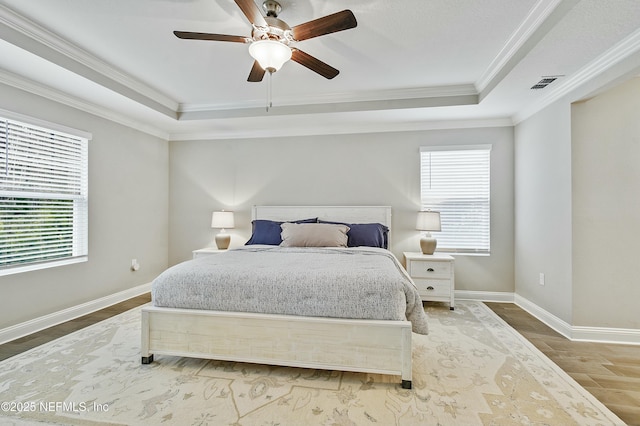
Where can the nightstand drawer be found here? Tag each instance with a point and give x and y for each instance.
(430, 269)
(433, 287)
(433, 274)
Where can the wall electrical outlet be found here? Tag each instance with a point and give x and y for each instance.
(541, 279)
(135, 265)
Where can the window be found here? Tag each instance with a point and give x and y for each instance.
(43, 197)
(456, 182)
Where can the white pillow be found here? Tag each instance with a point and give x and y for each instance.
(313, 235)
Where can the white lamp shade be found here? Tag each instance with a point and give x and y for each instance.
(270, 54)
(428, 221)
(222, 219)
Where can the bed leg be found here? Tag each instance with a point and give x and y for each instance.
(147, 356)
(406, 375)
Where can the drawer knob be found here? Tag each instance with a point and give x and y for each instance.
(430, 270)
(430, 288)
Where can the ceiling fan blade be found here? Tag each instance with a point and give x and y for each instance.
(256, 74)
(215, 37)
(252, 12)
(314, 64)
(326, 25)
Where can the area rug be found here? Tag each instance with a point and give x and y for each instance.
(472, 369)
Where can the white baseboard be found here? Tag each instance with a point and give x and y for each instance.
(628, 336)
(32, 326)
(485, 296)
(548, 318)
(571, 332)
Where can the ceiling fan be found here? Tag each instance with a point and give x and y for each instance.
(271, 38)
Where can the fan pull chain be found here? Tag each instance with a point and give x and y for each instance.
(269, 103)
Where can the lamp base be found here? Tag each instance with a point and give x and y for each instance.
(222, 241)
(428, 244)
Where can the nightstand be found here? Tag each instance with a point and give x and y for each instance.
(207, 251)
(433, 274)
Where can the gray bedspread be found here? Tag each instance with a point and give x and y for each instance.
(358, 283)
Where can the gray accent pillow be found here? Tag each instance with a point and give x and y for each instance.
(313, 235)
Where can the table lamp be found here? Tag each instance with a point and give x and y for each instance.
(428, 221)
(222, 220)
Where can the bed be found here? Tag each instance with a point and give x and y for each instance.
(325, 328)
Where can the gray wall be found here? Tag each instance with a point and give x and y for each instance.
(128, 218)
(577, 208)
(375, 169)
(543, 210)
(606, 208)
(574, 167)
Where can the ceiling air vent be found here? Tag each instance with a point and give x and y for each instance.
(544, 82)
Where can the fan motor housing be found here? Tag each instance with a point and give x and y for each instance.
(277, 30)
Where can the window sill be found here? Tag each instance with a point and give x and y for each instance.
(44, 265)
(462, 253)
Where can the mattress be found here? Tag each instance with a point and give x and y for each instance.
(355, 283)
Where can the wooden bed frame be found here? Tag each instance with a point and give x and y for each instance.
(371, 346)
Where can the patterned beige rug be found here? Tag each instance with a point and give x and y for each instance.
(473, 369)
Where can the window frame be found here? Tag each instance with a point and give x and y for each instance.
(480, 243)
(11, 191)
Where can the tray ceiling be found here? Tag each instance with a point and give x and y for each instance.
(407, 65)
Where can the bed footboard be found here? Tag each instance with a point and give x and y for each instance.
(371, 346)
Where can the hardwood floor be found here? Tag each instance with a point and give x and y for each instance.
(31, 341)
(610, 372)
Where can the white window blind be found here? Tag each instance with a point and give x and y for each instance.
(456, 182)
(43, 197)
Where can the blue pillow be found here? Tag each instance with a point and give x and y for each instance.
(365, 234)
(268, 231)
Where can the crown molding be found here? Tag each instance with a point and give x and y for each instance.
(50, 40)
(38, 89)
(46, 124)
(402, 94)
(35, 88)
(536, 17)
(544, 16)
(451, 98)
(619, 52)
(322, 130)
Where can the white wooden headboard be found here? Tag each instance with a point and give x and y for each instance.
(349, 214)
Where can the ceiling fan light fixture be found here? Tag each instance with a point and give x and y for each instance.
(270, 54)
